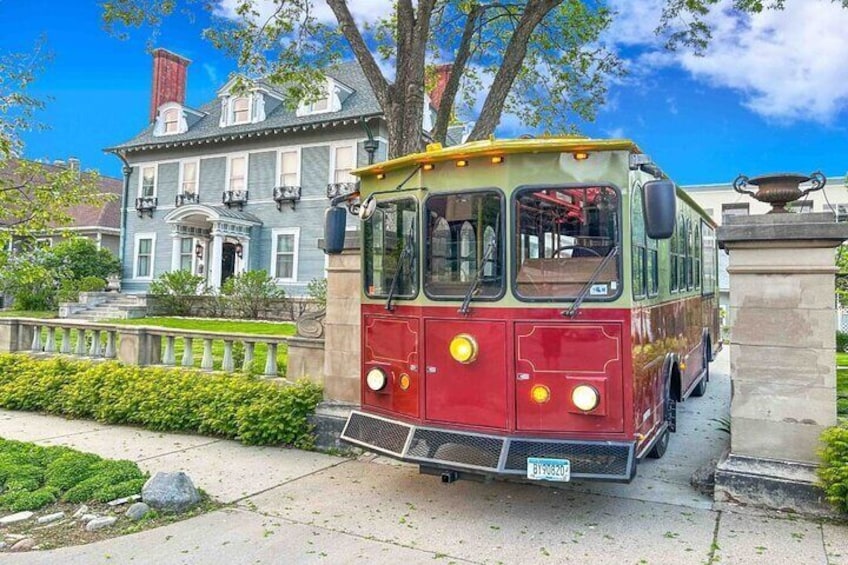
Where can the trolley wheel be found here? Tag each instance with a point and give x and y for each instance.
(660, 446)
(701, 389)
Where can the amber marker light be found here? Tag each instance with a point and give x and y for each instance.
(405, 381)
(381, 176)
(428, 166)
(540, 394)
(497, 160)
(581, 156)
(585, 397)
(462, 163)
(463, 349)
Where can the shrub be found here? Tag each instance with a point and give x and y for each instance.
(233, 406)
(250, 294)
(92, 284)
(842, 341)
(833, 472)
(174, 292)
(82, 259)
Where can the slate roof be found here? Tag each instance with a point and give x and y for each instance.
(362, 103)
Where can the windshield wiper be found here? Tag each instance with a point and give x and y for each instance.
(571, 312)
(405, 255)
(475, 282)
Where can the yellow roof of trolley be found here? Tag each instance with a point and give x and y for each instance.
(435, 153)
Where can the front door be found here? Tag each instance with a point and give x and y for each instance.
(472, 393)
(228, 261)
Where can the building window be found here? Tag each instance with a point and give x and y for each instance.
(241, 110)
(734, 209)
(289, 162)
(144, 246)
(284, 253)
(343, 158)
(148, 182)
(186, 254)
(238, 173)
(189, 182)
(171, 120)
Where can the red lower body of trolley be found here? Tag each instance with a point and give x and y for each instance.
(509, 411)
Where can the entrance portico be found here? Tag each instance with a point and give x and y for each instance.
(211, 241)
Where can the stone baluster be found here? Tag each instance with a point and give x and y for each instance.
(206, 360)
(50, 344)
(36, 339)
(169, 358)
(271, 361)
(66, 341)
(80, 350)
(188, 355)
(110, 345)
(96, 349)
(227, 362)
(248, 356)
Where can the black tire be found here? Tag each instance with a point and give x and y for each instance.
(660, 446)
(701, 389)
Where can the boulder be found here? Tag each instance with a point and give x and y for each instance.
(50, 518)
(137, 511)
(15, 518)
(100, 523)
(23, 545)
(170, 492)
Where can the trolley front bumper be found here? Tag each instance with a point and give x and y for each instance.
(487, 454)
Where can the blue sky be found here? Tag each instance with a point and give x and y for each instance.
(771, 94)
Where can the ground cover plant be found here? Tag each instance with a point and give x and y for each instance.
(235, 406)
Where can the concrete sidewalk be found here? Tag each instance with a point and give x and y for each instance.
(288, 506)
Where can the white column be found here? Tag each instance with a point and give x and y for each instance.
(213, 258)
(245, 259)
(175, 251)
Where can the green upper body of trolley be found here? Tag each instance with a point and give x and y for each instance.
(513, 165)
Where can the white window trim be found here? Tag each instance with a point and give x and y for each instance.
(141, 167)
(182, 121)
(231, 110)
(335, 145)
(138, 237)
(279, 171)
(273, 270)
(230, 158)
(196, 162)
(334, 101)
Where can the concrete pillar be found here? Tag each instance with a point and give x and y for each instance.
(8, 335)
(137, 347)
(305, 359)
(213, 258)
(782, 356)
(176, 248)
(342, 344)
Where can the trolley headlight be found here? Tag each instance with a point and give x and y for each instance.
(463, 348)
(376, 379)
(585, 397)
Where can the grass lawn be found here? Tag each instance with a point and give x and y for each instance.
(223, 326)
(842, 393)
(27, 314)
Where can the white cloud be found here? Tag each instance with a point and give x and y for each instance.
(363, 11)
(787, 65)
(211, 72)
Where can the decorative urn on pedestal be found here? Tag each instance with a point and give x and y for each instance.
(779, 189)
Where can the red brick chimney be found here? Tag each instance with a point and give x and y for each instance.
(169, 79)
(443, 73)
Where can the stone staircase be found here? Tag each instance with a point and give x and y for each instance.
(105, 306)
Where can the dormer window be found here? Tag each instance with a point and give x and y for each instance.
(241, 110)
(172, 120)
(334, 94)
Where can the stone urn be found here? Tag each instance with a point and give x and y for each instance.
(779, 189)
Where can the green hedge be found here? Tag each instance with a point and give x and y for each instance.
(32, 476)
(833, 472)
(232, 406)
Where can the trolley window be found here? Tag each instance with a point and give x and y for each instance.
(565, 239)
(464, 247)
(390, 241)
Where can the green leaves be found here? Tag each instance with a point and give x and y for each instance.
(833, 471)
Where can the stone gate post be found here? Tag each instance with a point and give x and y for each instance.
(783, 366)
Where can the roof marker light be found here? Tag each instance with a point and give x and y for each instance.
(462, 163)
(497, 159)
(428, 166)
(581, 156)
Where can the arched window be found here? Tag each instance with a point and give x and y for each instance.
(171, 120)
(241, 110)
(467, 252)
(490, 241)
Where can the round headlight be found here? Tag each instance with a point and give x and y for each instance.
(585, 397)
(376, 379)
(463, 348)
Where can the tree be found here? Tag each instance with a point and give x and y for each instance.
(539, 59)
(33, 196)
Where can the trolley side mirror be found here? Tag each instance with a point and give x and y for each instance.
(659, 200)
(335, 218)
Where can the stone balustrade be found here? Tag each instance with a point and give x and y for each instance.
(135, 345)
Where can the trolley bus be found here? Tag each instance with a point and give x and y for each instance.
(531, 308)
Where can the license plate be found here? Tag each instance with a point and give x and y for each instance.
(542, 469)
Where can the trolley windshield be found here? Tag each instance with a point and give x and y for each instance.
(390, 242)
(562, 236)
